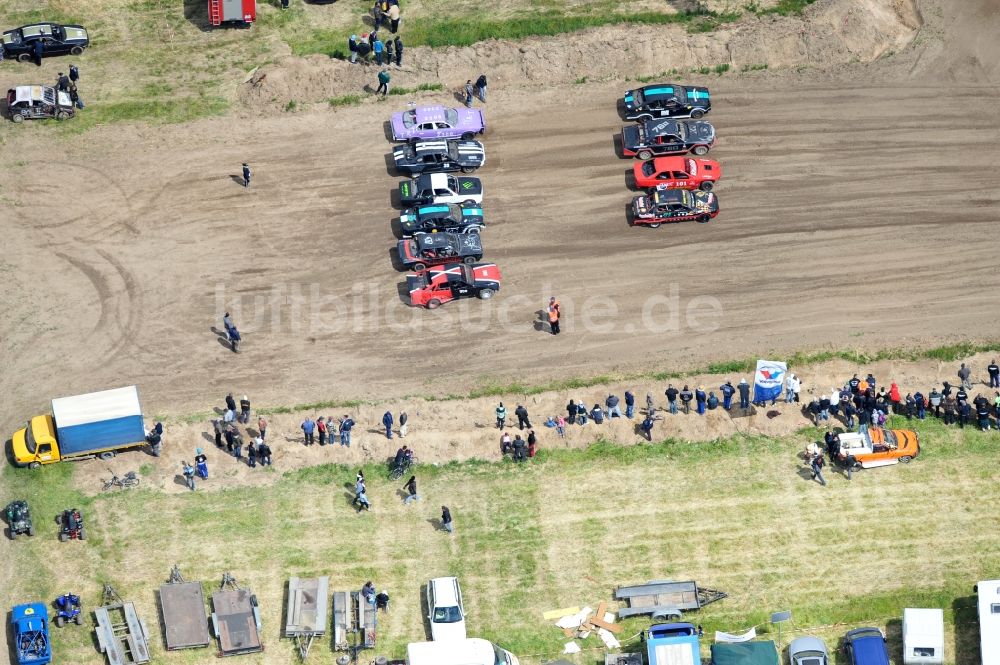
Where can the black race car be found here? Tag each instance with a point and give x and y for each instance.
(673, 205)
(452, 217)
(667, 137)
(31, 102)
(435, 249)
(666, 100)
(440, 188)
(55, 39)
(439, 156)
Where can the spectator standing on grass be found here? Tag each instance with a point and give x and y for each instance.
(62, 83)
(629, 404)
(308, 428)
(383, 82)
(393, 15)
(522, 417)
(346, 424)
(532, 442)
(263, 453)
(388, 52)
(964, 373)
(74, 96)
(964, 412)
(713, 401)
(245, 410)
(671, 394)
(647, 427)
(983, 413)
(597, 414)
(238, 446)
(399, 51)
(571, 412)
(505, 444)
(230, 434)
(920, 405)
(894, 397)
(262, 428)
(909, 406)
(188, 472)
(411, 491)
(949, 407)
(934, 400)
(321, 428)
(520, 449)
(361, 500)
(614, 411)
(727, 395)
(378, 48)
(686, 397)
(561, 427)
(387, 423)
(352, 46)
(446, 522)
(581, 412)
(38, 61)
(217, 426)
(699, 399)
(849, 413)
(554, 311)
(201, 463)
(864, 417)
(650, 405)
(74, 73)
(744, 390)
(481, 88)
(403, 419)
(468, 92)
(252, 453)
(994, 371)
(996, 407)
(501, 413)
(246, 180)
(817, 468)
(230, 401)
(789, 389)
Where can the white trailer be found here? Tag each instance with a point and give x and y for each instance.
(923, 636)
(989, 621)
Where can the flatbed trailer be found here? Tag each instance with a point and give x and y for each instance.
(182, 605)
(236, 619)
(665, 599)
(121, 635)
(305, 616)
(353, 616)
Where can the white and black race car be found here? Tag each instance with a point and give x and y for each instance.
(440, 188)
(439, 156)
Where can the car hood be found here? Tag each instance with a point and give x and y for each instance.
(76, 33)
(448, 631)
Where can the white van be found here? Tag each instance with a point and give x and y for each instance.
(471, 651)
(923, 636)
(989, 621)
(445, 610)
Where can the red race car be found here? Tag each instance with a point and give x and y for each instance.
(677, 173)
(436, 286)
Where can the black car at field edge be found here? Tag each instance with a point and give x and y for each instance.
(56, 39)
(439, 156)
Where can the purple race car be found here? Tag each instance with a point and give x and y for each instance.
(437, 122)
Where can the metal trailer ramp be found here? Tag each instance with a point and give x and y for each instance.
(182, 605)
(236, 619)
(306, 613)
(664, 598)
(121, 634)
(353, 615)
(341, 620)
(366, 620)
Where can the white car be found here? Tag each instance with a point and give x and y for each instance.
(445, 610)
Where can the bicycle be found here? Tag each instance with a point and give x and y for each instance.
(396, 471)
(130, 480)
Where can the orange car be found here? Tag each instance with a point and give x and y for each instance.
(879, 447)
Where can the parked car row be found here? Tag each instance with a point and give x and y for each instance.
(34, 42)
(442, 214)
(677, 188)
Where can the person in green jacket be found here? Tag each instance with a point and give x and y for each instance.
(383, 82)
(501, 415)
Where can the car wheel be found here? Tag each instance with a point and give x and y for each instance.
(34, 465)
(654, 225)
(83, 533)
(62, 115)
(433, 303)
(63, 537)
(418, 267)
(106, 456)
(644, 117)
(474, 230)
(468, 202)
(78, 50)
(24, 57)
(697, 113)
(701, 219)
(467, 169)
(60, 622)
(468, 136)
(11, 533)
(485, 294)
(700, 150)
(469, 260)
(707, 186)
(17, 117)
(644, 154)
(31, 530)
(905, 459)
(78, 620)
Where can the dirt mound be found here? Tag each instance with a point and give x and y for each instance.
(830, 32)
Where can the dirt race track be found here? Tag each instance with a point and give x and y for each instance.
(859, 209)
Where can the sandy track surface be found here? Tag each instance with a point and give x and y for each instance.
(858, 210)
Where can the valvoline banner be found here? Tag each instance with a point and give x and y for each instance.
(768, 380)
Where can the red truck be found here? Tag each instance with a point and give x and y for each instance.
(237, 12)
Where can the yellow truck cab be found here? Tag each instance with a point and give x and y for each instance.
(36, 443)
(83, 426)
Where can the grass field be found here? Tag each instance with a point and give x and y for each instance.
(737, 515)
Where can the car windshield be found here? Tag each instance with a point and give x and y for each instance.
(453, 151)
(682, 131)
(29, 440)
(409, 118)
(637, 96)
(453, 183)
(58, 32)
(447, 614)
(810, 660)
(501, 656)
(451, 117)
(890, 438)
(648, 168)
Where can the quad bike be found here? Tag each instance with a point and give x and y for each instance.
(71, 527)
(68, 609)
(18, 517)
